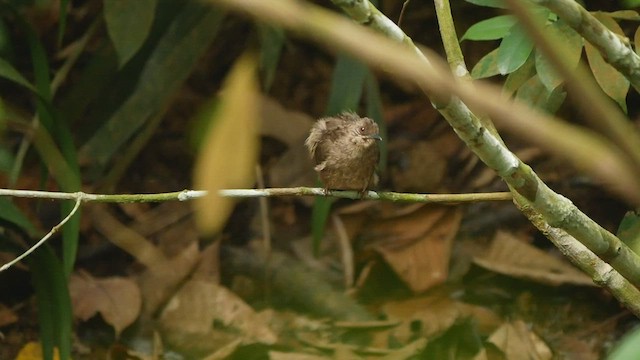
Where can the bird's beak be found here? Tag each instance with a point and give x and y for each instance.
(376, 137)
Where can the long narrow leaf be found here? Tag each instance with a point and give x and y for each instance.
(188, 36)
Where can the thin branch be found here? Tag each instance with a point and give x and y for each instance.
(186, 195)
(54, 230)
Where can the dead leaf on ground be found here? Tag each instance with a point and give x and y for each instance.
(517, 341)
(417, 245)
(158, 282)
(510, 256)
(117, 299)
(193, 310)
(436, 314)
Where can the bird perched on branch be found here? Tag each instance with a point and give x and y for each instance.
(345, 151)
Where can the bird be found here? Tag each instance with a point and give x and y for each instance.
(345, 151)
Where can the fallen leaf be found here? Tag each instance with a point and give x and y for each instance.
(117, 299)
(417, 245)
(436, 314)
(510, 256)
(160, 281)
(517, 341)
(193, 310)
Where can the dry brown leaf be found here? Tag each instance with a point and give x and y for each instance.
(517, 341)
(417, 246)
(229, 152)
(159, 282)
(510, 256)
(437, 313)
(117, 299)
(194, 308)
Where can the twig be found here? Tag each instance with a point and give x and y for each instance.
(54, 230)
(401, 17)
(186, 195)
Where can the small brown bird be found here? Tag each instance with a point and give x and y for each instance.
(345, 151)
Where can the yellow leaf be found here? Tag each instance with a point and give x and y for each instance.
(229, 151)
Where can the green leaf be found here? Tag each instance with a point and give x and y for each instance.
(487, 66)
(346, 85)
(631, 3)
(613, 83)
(271, 42)
(171, 62)
(636, 39)
(128, 25)
(319, 216)
(517, 78)
(62, 23)
(54, 303)
(8, 72)
(572, 49)
(627, 348)
(629, 231)
(9, 212)
(536, 94)
(500, 4)
(490, 29)
(514, 50)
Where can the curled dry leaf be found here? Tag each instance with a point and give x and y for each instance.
(229, 150)
(117, 299)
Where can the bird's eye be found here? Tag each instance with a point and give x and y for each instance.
(362, 129)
